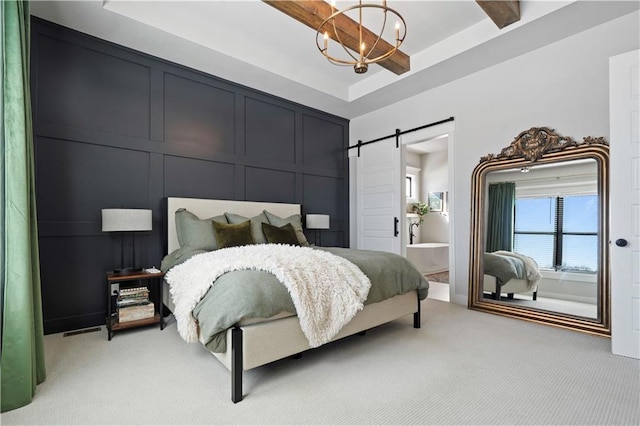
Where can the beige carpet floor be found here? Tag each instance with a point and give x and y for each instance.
(588, 310)
(439, 291)
(461, 367)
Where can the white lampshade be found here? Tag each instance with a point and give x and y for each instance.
(317, 221)
(120, 220)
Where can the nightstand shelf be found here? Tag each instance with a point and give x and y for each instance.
(153, 281)
(115, 325)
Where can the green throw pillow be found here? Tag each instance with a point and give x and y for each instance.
(280, 235)
(256, 225)
(233, 235)
(194, 232)
(295, 220)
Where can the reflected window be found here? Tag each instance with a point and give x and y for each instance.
(560, 233)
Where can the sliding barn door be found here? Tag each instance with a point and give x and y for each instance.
(380, 191)
(624, 89)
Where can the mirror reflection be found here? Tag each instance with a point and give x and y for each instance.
(541, 247)
(539, 240)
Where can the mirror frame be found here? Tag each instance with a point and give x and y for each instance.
(541, 145)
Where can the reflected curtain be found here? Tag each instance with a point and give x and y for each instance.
(22, 330)
(500, 220)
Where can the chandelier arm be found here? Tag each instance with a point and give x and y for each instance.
(398, 42)
(335, 61)
(360, 44)
(364, 59)
(325, 53)
(337, 34)
(384, 25)
(381, 57)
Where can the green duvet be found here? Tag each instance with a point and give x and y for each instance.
(256, 294)
(503, 267)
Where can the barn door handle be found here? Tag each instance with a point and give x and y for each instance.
(395, 226)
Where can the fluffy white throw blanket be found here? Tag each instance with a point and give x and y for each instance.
(530, 267)
(327, 290)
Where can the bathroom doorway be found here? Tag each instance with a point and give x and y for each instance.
(428, 234)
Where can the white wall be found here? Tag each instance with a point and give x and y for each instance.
(435, 178)
(413, 159)
(563, 86)
(569, 286)
(435, 175)
(413, 163)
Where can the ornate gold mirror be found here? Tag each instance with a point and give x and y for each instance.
(539, 239)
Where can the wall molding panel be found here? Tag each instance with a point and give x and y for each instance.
(114, 127)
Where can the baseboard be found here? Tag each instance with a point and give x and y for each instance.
(74, 322)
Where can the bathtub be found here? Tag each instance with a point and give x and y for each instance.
(429, 258)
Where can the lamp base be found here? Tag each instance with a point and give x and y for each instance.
(127, 271)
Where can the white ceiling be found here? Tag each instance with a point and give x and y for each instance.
(253, 44)
(437, 144)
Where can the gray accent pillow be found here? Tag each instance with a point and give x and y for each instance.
(256, 225)
(196, 233)
(295, 220)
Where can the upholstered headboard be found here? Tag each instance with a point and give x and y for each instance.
(205, 208)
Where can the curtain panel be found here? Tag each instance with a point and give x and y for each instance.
(500, 216)
(22, 347)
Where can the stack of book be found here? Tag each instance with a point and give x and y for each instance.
(134, 304)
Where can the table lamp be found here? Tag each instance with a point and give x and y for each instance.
(126, 221)
(317, 222)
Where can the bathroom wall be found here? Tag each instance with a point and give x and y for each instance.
(435, 178)
(413, 162)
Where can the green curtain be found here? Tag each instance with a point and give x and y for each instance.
(502, 200)
(22, 331)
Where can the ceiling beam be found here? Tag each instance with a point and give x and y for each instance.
(501, 12)
(312, 13)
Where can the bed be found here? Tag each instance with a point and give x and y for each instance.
(254, 341)
(510, 273)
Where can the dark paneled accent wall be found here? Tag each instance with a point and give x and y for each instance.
(119, 128)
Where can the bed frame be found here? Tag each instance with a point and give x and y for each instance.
(514, 285)
(253, 345)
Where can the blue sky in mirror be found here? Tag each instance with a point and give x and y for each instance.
(535, 223)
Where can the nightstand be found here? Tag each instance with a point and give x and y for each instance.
(153, 281)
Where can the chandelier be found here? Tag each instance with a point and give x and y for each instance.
(368, 47)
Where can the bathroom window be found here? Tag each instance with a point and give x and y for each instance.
(412, 182)
(410, 187)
